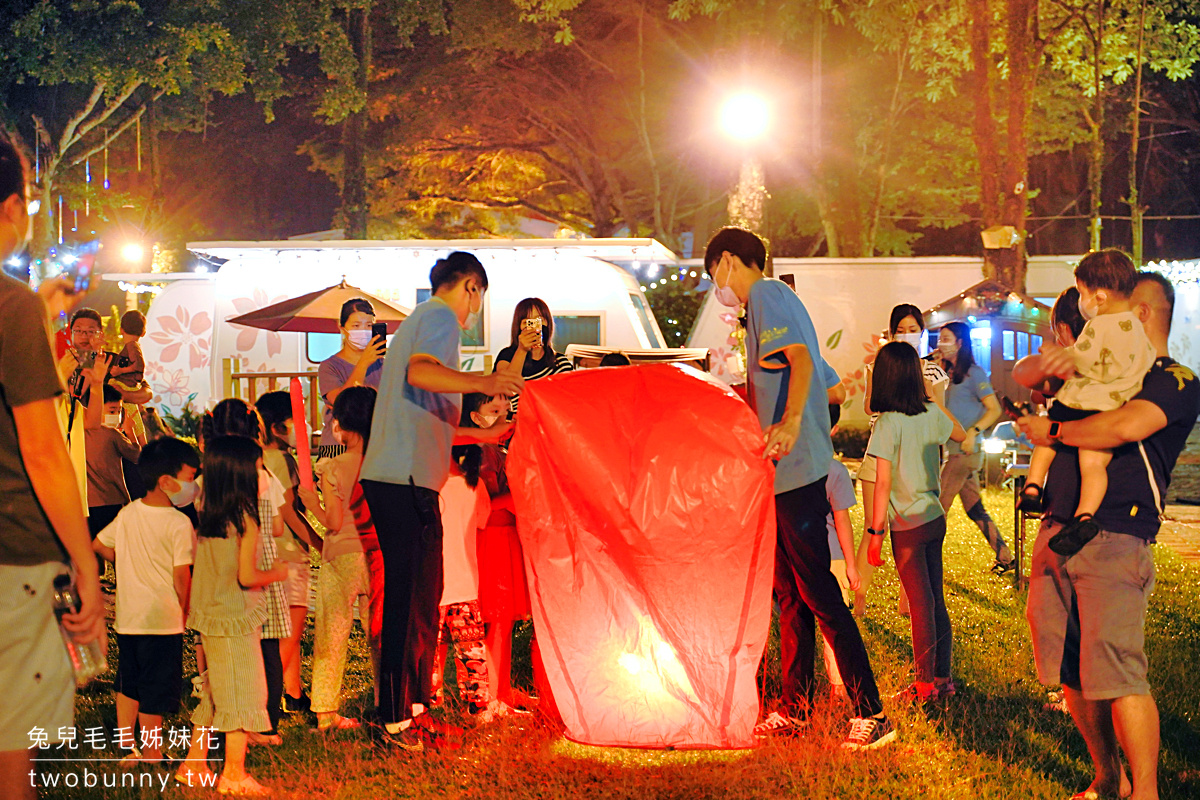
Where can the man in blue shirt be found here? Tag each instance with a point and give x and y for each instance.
(783, 362)
(1087, 611)
(405, 465)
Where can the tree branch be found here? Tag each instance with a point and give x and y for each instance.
(68, 137)
(111, 137)
(109, 110)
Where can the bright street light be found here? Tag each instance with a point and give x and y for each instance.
(745, 116)
(133, 252)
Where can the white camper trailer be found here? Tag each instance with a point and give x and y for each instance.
(189, 345)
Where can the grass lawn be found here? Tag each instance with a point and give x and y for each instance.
(993, 740)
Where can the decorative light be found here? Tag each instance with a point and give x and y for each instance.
(139, 288)
(692, 274)
(745, 116)
(674, 277)
(133, 252)
(993, 445)
(1177, 271)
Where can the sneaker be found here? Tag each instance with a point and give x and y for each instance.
(1002, 567)
(777, 724)
(947, 689)
(1056, 701)
(869, 733)
(295, 705)
(408, 740)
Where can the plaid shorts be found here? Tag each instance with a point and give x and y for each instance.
(279, 621)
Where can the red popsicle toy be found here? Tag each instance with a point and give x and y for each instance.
(303, 443)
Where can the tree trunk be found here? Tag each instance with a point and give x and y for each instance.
(1096, 122)
(354, 169)
(1135, 208)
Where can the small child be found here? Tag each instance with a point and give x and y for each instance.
(467, 507)
(151, 544)
(345, 579)
(232, 417)
(228, 609)
(839, 490)
(906, 443)
(503, 593)
(297, 536)
(1110, 359)
(107, 447)
(128, 370)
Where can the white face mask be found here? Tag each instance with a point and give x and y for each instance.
(948, 349)
(111, 421)
(473, 316)
(185, 495)
(291, 438)
(1088, 310)
(725, 294)
(359, 339)
(488, 420)
(916, 340)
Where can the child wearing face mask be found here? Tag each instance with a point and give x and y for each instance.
(297, 537)
(152, 545)
(107, 447)
(345, 579)
(1107, 364)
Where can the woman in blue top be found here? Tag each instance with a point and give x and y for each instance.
(906, 443)
(971, 400)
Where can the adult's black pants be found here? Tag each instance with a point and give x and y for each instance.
(408, 521)
(808, 594)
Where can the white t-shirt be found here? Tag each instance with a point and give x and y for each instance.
(464, 512)
(150, 542)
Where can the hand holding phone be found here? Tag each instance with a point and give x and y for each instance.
(1014, 410)
(379, 331)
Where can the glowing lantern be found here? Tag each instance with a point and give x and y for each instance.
(646, 513)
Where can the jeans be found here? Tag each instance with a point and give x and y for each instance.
(808, 594)
(918, 554)
(273, 667)
(409, 523)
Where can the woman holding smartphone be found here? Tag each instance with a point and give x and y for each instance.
(358, 363)
(530, 353)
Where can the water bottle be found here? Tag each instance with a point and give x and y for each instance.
(88, 659)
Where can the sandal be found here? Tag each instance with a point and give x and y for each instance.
(1031, 499)
(269, 739)
(338, 723)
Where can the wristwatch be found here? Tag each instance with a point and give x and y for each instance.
(1055, 431)
(873, 532)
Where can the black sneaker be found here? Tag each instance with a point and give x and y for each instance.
(295, 705)
(869, 733)
(408, 740)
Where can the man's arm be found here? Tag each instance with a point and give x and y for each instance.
(1132, 422)
(53, 479)
(781, 437)
(425, 372)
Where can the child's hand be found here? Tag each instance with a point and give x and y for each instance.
(874, 553)
(310, 498)
(99, 370)
(852, 576)
(279, 571)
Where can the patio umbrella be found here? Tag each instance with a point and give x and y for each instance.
(318, 312)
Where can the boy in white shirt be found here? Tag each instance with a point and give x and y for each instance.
(152, 545)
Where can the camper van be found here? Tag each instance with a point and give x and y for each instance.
(191, 349)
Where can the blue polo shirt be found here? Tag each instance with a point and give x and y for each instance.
(965, 400)
(413, 430)
(776, 319)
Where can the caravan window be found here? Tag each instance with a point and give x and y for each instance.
(1008, 345)
(576, 329)
(1022, 344)
(320, 346)
(643, 312)
(474, 337)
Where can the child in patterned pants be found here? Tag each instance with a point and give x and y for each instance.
(462, 624)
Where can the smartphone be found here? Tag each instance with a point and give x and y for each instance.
(535, 323)
(379, 331)
(79, 271)
(1014, 410)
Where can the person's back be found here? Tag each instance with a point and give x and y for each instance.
(913, 444)
(149, 542)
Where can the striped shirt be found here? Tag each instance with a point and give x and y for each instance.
(551, 363)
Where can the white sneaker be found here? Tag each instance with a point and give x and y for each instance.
(869, 733)
(777, 724)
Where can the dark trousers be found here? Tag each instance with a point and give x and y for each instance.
(918, 554)
(409, 523)
(808, 594)
(273, 666)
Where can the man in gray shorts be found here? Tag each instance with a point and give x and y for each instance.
(41, 518)
(1087, 611)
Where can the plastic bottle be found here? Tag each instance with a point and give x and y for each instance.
(87, 659)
